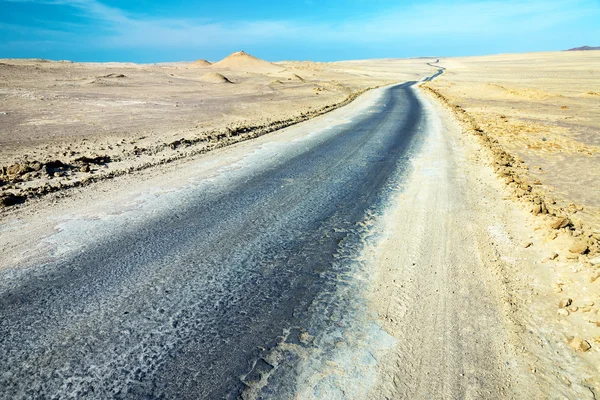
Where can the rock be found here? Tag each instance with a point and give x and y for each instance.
(304, 337)
(28, 176)
(527, 244)
(35, 166)
(565, 303)
(85, 168)
(13, 169)
(559, 223)
(16, 170)
(595, 275)
(54, 168)
(557, 288)
(93, 160)
(579, 247)
(563, 312)
(595, 261)
(579, 344)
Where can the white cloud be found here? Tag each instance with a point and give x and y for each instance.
(433, 20)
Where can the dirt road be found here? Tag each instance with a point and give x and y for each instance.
(345, 257)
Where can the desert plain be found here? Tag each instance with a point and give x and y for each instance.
(524, 134)
(81, 122)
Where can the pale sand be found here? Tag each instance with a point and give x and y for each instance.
(542, 107)
(132, 116)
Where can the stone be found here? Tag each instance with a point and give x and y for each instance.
(565, 303)
(595, 275)
(527, 244)
(559, 223)
(557, 288)
(13, 169)
(304, 337)
(16, 170)
(579, 344)
(579, 247)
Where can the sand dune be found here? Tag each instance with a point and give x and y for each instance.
(215, 77)
(201, 63)
(241, 61)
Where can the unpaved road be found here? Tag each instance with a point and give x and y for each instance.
(252, 272)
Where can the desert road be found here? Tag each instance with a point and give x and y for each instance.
(246, 280)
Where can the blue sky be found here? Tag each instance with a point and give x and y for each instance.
(155, 31)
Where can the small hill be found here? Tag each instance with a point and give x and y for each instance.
(241, 61)
(201, 63)
(584, 48)
(214, 77)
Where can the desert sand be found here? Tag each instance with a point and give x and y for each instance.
(543, 108)
(64, 124)
(536, 120)
(517, 150)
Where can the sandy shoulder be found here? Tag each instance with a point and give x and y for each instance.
(499, 316)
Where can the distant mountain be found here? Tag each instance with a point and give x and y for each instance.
(582, 48)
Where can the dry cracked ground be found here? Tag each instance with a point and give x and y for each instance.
(524, 131)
